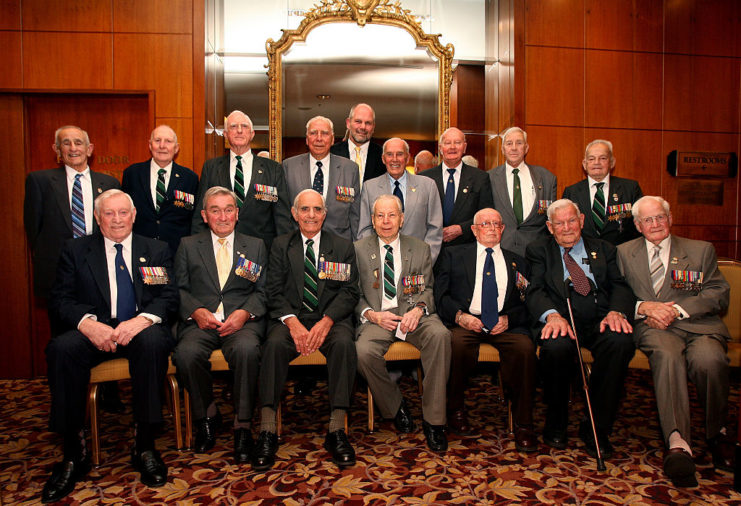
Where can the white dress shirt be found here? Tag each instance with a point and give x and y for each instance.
(153, 176)
(593, 191)
(388, 304)
(86, 183)
(527, 188)
(500, 268)
(247, 159)
(325, 171)
(456, 177)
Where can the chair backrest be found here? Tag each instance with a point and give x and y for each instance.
(731, 270)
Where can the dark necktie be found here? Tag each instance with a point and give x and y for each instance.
(239, 182)
(449, 200)
(389, 288)
(126, 300)
(397, 193)
(517, 195)
(311, 300)
(598, 208)
(318, 185)
(489, 293)
(160, 190)
(578, 278)
(78, 209)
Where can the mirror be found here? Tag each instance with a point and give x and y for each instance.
(350, 51)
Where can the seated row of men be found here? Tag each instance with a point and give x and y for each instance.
(446, 217)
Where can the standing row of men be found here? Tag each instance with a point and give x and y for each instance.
(244, 201)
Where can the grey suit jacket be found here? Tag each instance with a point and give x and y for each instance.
(423, 213)
(515, 238)
(415, 259)
(198, 278)
(704, 307)
(342, 217)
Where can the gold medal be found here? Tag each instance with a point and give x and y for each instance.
(322, 274)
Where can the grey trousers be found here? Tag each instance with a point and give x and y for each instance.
(675, 354)
(433, 341)
(241, 351)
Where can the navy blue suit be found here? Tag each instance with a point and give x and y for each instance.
(172, 222)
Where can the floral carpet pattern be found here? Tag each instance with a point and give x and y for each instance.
(390, 469)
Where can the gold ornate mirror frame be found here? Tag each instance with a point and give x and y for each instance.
(361, 12)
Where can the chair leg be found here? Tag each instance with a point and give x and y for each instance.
(93, 404)
(510, 420)
(175, 400)
(371, 421)
(419, 378)
(188, 420)
(279, 420)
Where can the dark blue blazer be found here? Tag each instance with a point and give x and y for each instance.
(172, 222)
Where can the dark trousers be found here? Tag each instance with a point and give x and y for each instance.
(517, 365)
(241, 351)
(279, 349)
(71, 355)
(612, 352)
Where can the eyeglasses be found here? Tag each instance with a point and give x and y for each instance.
(650, 220)
(562, 224)
(489, 224)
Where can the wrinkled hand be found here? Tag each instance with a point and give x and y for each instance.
(384, 319)
(501, 326)
(99, 334)
(452, 232)
(655, 324)
(205, 319)
(615, 322)
(234, 322)
(410, 320)
(556, 326)
(126, 331)
(318, 334)
(662, 312)
(470, 322)
(299, 334)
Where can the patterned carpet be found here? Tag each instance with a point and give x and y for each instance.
(391, 469)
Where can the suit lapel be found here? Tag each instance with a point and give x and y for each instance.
(639, 263)
(61, 193)
(437, 176)
(205, 249)
(304, 173)
(146, 184)
(538, 185)
(500, 186)
(98, 266)
(411, 198)
(469, 265)
(374, 260)
(464, 187)
(406, 267)
(222, 173)
(557, 274)
(139, 256)
(296, 260)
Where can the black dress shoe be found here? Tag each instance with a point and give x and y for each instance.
(206, 433)
(525, 440)
(403, 420)
(587, 437)
(458, 423)
(263, 455)
(339, 446)
(149, 464)
(555, 438)
(723, 450)
(437, 441)
(680, 468)
(243, 445)
(63, 478)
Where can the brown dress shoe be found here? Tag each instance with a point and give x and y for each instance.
(723, 449)
(525, 439)
(458, 423)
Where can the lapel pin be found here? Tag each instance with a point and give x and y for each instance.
(373, 256)
(414, 189)
(615, 197)
(465, 190)
(100, 190)
(540, 187)
(514, 264)
(594, 254)
(675, 261)
(259, 171)
(177, 175)
(142, 259)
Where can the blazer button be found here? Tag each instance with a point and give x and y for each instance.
(158, 222)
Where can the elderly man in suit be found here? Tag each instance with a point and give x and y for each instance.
(522, 193)
(112, 296)
(609, 197)
(58, 204)
(424, 161)
(358, 147)
(463, 189)
(480, 294)
(221, 275)
(333, 176)
(423, 216)
(312, 289)
(570, 267)
(163, 191)
(681, 294)
(397, 303)
(259, 183)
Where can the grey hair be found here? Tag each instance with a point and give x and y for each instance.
(607, 144)
(304, 192)
(106, 195)
(560, 204)
(58, 142)
(406, 145)
(218, 190)
(480, 211)
(512, 130)
(352, 111)
(249, 121)
(636, 209)
(175, 135)
(388, 196)
(320, 118)
(447, 131)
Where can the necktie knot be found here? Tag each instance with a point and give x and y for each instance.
(318, 165)
(161, 172)
(239, 158)
(119, 247)
(389, 248)
(599, 185)
(515, 171)
(222, 240)
(309, 243)
(451, 172)
(657, 249)
(77, 177)
(489, 251)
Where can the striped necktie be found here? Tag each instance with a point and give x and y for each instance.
(389, 287)
(239, 182)
(657, 270)
(311, 299)
(598, 208)
(161, 190)
(78, 209)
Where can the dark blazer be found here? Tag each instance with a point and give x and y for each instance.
(622, 191)
(547, 289)
(82, 284)
(285, 282)
(456, 280)
(48, 219)
(516, 237)
(474, 194)
(198, 277)
(374, 166)
(172, 221)
(258, 218)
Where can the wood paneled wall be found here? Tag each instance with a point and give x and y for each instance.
(652, 76)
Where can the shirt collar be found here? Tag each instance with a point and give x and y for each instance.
(522, 167)
(351, 145)
(402, 179)
(153, 166)
(592, 182)
(664, 244)
(395, 244)
(325, 161)
(215, 239)
(71, 173)
(245, 156)
(457, 167)
(316, 238)
(577, 250)
(109, 244)
(481, 249)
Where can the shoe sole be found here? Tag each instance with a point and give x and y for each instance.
(680, 469)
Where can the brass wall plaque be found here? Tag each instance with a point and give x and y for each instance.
(701, 192)
(702, 164)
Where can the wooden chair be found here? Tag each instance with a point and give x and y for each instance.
(488, 353)
(115, 370)
(399, 350)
